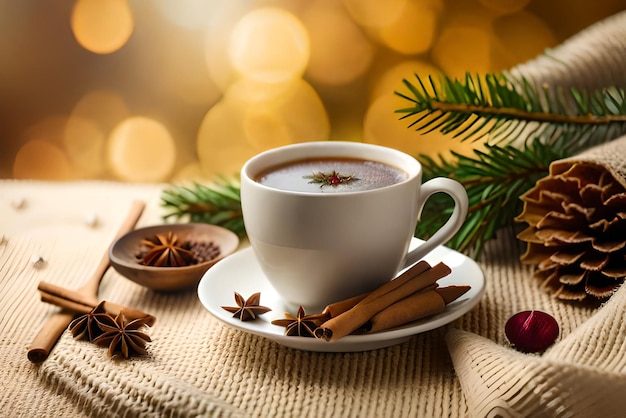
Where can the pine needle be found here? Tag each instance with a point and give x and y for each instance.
(219, 204)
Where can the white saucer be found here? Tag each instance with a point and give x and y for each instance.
(241, 273)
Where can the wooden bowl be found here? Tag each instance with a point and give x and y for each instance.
(124, 258)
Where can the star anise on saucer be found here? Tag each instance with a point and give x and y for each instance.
(301, 325)
(247, 309)
(85, 327)
(122, 336)
(164, 250)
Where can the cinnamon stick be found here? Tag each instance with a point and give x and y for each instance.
(62, 293)
(418, 306)
(54, 326)
(337, 308)
(383, 297)
(49, 334)
(408, 275)
(452, 293)
(68, 305)
(76, 302)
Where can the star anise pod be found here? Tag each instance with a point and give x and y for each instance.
(166, 251)
(122, 336)
(301, 325)
(247, 309)
(332, 178)
(85, 326)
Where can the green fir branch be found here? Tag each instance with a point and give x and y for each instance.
(504, 110)
(219, 204)
(494, 179)
(524, 129)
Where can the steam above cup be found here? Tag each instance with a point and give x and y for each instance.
(339, 220)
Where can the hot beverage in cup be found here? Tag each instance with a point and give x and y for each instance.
(331, 175)
(330, 220)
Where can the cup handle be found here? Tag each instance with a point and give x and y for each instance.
(457, 192)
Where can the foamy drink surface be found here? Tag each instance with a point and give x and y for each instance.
(331, 175)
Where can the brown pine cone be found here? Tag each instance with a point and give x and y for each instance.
(577, 230)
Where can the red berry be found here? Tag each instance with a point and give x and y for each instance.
(532, 331)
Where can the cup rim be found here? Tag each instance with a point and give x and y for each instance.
(293, 152)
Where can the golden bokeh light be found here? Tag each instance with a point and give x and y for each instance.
(270, 45)
(216, 42)
(519, 37)
(50, 129)
(249, 91)
(100, 26)
(391, 80)
(375, 13)
(85, 131)
(296, 115)
(253, 117)
(103, 107)
(222, 81)
(83, 143)
(41, 160)
(181, 72)
(190, 173)
(188, 13)
(414, 31)
(221, 145)
(265, 129)
(505, 6)
(141, 149)
(352, 52)
(463, 48)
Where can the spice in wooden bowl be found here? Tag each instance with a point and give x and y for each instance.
(171, 256)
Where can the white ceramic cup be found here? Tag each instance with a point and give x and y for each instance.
(319, 248)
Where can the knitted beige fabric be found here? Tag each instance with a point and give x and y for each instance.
(583, 375)
(594, 58)
(610, 157)
(198, 367)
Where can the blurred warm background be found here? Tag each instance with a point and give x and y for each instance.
(164, 90)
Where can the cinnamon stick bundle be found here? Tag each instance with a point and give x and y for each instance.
(76, 302)
(337, 308)
(386, 295)
(412, 308)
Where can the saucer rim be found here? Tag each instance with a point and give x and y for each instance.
(262, 327)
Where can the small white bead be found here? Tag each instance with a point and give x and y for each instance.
(92, 220)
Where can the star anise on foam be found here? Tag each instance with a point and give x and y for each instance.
(122, 336)
(247, 309)
(332, 178)
(301, 325)
(85, 326)
(165, 250)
